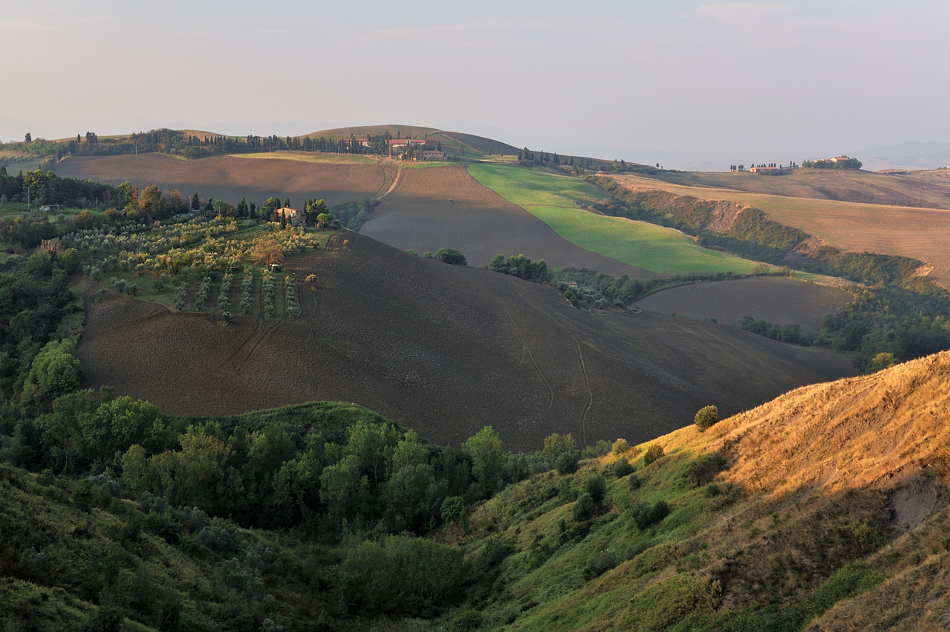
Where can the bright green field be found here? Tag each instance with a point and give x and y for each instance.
(554, 200)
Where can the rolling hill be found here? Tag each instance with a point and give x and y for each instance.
(443, 350)
(889, 223)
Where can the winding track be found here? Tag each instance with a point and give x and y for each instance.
(524, 344)
(583, 366)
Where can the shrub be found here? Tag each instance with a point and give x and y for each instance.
(217, 539)
(566, 463)
(495, 552)
(644, 514)
(634, 481)
(620, 446)
(622, 467)
(105, 619)
(32, 565)
(193, 518)
(600, 563)
(149, 503)
(706, 417)
(653, 453)
(107, 484)
(239, 576)
(164, 525)
(451, 256)
(596, 487)
(582, 506)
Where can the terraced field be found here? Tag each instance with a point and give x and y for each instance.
(444, 350)
(558, 201)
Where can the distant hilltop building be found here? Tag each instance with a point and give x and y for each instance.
(396, 143)
(761, 169)
(293, 216)
(840, 162)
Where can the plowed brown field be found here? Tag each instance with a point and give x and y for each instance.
(779, 300)
(444, 350)
(440, 207)
(231, 177)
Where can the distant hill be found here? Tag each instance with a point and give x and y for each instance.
(443, 350)
(912, 155)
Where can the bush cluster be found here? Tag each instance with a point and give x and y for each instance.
(706, 417)
(644, 514)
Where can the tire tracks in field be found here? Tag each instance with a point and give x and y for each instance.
(583, 366)
(256, 337)
(537, 367)
(392, 186)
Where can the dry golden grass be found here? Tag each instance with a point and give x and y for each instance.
(848, 434)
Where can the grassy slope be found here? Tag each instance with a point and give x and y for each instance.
(780, 541)
(554, 199)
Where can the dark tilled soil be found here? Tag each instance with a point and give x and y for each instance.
(231, 177)
(444, 350)
(775, 299)
(445, 207)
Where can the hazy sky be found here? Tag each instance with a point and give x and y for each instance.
(749, 81)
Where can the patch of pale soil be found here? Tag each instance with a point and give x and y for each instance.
(913, 500)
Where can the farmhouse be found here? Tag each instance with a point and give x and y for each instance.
(762, 169)
(294, 217)
(396, 143)
(433, 155)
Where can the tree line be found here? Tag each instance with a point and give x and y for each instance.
(180, 143)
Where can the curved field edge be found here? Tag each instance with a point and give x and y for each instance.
(554, 200)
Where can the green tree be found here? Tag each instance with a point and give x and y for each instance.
(706, 417)
(342, 488)
(451, 256)
(55, 370)
(488, 459)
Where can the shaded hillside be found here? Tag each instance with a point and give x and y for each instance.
(445, 207)
(443, 350)
(230, 177)
(775, 299)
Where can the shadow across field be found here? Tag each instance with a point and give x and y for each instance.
(443, 350)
